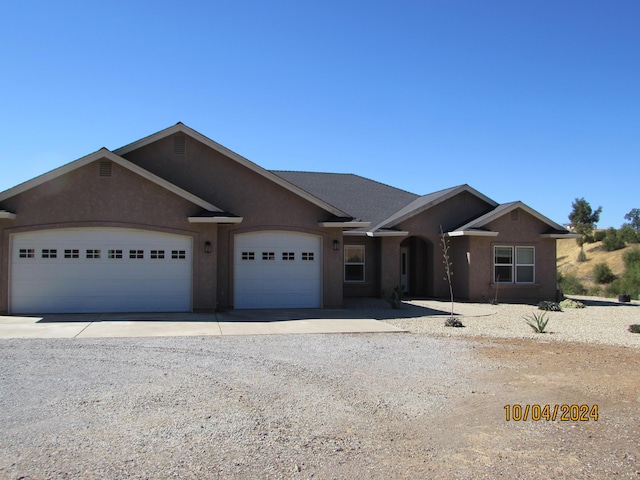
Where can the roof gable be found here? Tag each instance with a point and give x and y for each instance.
(425, 202)
(103, 153)
(282, 182)
(478, 225)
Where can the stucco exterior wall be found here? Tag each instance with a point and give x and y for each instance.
(371, 286)
(82, 198)
(525, 231)
(263, 204)
(426, 225)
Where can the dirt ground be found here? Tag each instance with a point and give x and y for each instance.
(375, 406)
(485, 445)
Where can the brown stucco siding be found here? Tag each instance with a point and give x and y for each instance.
(371, 285)
(81, 198)
(525, 231)
(426, 226)
(263, 204)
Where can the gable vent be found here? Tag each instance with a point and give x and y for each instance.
(105, 168)
(179, 145)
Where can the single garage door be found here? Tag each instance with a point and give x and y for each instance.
(277, 269)
(78, 270)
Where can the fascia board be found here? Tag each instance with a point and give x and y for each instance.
(467, 233)
(230, 220)
(109, 155)
(7, 215)
(344, 224)
(560, 235)
(180, 127)
(388, 234)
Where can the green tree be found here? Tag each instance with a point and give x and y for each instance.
(583, 219)
(612, 240)
(634, 219)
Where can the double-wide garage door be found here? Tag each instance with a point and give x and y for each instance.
(80, 270)
(277, 269)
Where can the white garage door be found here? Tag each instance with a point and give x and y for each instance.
(78, 270)
(277, 270)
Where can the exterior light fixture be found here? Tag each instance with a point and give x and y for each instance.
(336, 245)
(207, 247)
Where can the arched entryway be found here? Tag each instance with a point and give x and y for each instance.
(416, 266)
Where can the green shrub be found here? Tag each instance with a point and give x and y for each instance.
(537, 322)
(549, 306)
(570, 284)
(568, 303)
(629, 283)
(634, 328)
(453, 322)
(602, 273)
(599, 235)
(628, 234)
(612, 240)
(595, 291)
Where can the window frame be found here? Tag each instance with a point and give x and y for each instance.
(362, 263)
(514, 265)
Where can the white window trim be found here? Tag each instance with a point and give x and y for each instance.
(514, 264)
(363, 263)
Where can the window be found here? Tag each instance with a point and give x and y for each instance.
(268, 256)
(354, 263)
(508, 269)
(307, 256)
(71, 253)
(157, 254)
(178, 254)
(49, 253)
(93, 254)
(525, 265)
(114, 254)
(136, 254)
(248, 256)
(288, 256)
(27, 253)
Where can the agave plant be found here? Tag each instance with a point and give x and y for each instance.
(537, 321)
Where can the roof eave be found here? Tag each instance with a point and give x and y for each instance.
(354, 224)
(470, 233)
(560, 235)
(219, 220)
(394, 233)
(7, 215)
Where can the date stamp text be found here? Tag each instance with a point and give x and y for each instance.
(563, 413)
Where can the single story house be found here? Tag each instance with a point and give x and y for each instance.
(177, 222)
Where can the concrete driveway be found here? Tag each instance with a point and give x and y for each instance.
(358, 316)
(258, 322)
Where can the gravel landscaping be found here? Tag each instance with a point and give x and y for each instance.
(603, 321)
(343, 406)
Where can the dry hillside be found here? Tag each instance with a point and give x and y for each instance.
(567, 259)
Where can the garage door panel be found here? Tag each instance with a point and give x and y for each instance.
(280, 280)
(84, 284)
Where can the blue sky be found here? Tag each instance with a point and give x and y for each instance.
(536, 101)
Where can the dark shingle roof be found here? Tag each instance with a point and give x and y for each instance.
(360, 197)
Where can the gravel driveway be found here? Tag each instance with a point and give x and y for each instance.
(309, 406)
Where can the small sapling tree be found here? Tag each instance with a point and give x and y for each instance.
(448, 265)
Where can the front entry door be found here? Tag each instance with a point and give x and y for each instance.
(404, 269)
